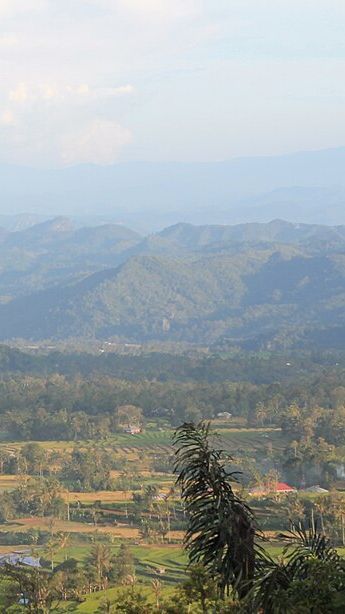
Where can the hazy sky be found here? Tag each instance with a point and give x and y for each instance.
(107, 80)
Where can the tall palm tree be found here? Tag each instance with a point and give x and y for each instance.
(100, 561)
(220, 533)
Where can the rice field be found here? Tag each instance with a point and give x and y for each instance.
(117, 531)
(8, 482)
(160, 441)
(252, 440)
(167, 562)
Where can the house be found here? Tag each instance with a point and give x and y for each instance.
(133, 430)
(278, 488)
(19, 558)
(316, 489)
(283, 488)
(224, 414)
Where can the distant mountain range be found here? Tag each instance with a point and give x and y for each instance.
(273, 285)
(303, 187)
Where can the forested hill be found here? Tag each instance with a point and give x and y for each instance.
(272, 286)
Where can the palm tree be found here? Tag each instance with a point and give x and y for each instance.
(295, 509)
(321, 505)
(275, 578)
(100, 561)
(157, 589)
(220, 533)
(55, 543)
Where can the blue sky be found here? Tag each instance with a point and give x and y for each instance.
(190, 80)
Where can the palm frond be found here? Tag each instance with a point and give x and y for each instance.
(220, 532)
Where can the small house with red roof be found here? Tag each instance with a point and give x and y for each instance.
(282, 487)
(277, 488)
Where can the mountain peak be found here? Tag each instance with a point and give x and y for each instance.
(56, 224)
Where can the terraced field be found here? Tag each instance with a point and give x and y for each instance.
(252, 440)
(167, 562)
(160, 441)
(148, 440)
(233, 438)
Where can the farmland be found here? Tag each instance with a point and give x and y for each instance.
(111, 512)
(65, 500)
(152, 441)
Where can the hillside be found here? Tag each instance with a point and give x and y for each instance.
(191, 238)
(54, 252)
(271, 286)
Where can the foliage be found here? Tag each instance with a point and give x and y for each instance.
(311, 577)
(220, 532)
(257, 294)
(133, 601)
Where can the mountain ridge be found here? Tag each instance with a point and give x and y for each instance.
(149, 196)
(262, 285)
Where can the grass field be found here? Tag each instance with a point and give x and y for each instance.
(155, 441)
(252, 440)
(119, 531)
(149, 560)
(8, 482)
(93, 602)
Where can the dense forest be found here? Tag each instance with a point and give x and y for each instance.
(257, 286)
(47, 396)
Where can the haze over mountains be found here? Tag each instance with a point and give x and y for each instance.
(302, 187)
(254, 285)
(154, 252)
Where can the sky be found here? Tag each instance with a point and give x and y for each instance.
(105, 81)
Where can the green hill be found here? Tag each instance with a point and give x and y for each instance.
(268, 296)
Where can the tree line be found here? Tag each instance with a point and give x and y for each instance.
(60, 407)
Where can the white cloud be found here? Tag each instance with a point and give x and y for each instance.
(15, 7)
(160, 8)
(112, 92)
(19, 94)
(24, 93)
(75, 72)
(49, 141)
(8, 40)
(100, 142)
(7, 118)
(62, 124)
(172, 8)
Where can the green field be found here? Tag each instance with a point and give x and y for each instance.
(148, 560)
(94, 601)
(249, 439)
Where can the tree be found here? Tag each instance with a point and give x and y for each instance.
(123, 566)
(7, 507)
(220, 533)
(295, 509)
(39, 497)
(34, 457)
(126, 415)
(33, 584)
(157, 589)
(310, 578)
(200, 586)
(56, 542)
(100, 562)
(321, 505)
(88, 469)
(106, 607)
(133, 601)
